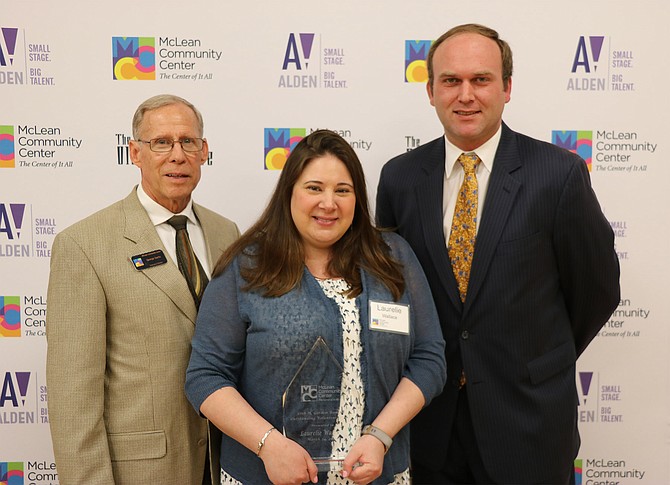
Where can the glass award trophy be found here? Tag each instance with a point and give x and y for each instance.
(311, 403)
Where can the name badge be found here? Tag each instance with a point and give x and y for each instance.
(389, 317)
(147, 260)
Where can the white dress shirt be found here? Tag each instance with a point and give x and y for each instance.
(159, 216)
(453, 178)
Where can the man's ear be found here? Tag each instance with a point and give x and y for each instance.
(429, 90)
(134, 148)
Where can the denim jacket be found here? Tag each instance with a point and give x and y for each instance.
(256, 344)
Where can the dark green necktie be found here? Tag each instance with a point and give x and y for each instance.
(188, 263)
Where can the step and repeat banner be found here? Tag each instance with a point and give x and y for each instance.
(589, 76)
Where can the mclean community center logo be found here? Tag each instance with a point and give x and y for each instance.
(10, 316)
(133, 58)
(416, 52)
(7, 156)
(579, 142)
(278, 143)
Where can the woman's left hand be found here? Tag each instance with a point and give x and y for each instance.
(365, 460)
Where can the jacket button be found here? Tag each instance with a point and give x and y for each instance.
(465, 334)
(202, 442)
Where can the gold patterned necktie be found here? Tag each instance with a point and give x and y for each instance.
(188, 263)
(464, 224)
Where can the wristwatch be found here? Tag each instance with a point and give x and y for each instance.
(380, 435)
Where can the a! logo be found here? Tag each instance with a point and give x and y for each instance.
(278, 145)
(14, 389)
(11, 220)
(7, 157)
(309, 393)
(10, 316)
(416, 52)
(11, 473)
(588, 53)
(298, 51)
(588, 403)
(299, 55)
(585, 379)
(578, 471)
(579, 142)
(7, 45)
(133, 58)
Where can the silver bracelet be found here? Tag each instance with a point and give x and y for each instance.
(262, 441)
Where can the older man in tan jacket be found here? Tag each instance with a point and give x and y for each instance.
(120, 317)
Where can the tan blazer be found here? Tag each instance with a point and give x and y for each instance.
(118, 346)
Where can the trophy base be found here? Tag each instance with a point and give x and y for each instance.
(327, 464)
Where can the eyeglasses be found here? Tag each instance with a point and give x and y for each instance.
(164, 145)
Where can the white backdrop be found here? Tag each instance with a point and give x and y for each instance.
(593, 68)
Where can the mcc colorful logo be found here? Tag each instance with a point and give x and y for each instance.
(579, 142)
(10, 316)
(278, 144)
(7, 156)
(11, 473)
(133, 58)
(416, 52)
(578, 471)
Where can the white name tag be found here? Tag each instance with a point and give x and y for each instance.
(389, 317)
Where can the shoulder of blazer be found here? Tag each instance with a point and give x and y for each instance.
(103, 221)
(408, 169)
(516, 149)
(124, 219)
(208, 216)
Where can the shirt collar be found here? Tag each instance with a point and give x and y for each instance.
(159, 214)
(485, 152)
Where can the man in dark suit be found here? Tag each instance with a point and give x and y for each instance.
(542, 279)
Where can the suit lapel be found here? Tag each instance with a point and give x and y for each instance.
(501, 193)
(140, 231)
(429, 197)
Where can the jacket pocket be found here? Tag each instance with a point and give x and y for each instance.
(552, 362)
(137, 446)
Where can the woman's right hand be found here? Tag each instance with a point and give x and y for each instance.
(286, 462)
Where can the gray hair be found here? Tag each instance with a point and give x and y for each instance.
(159, 101)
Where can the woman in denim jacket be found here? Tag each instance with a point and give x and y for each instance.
(311, 271)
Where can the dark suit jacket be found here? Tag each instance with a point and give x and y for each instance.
(544, 279)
